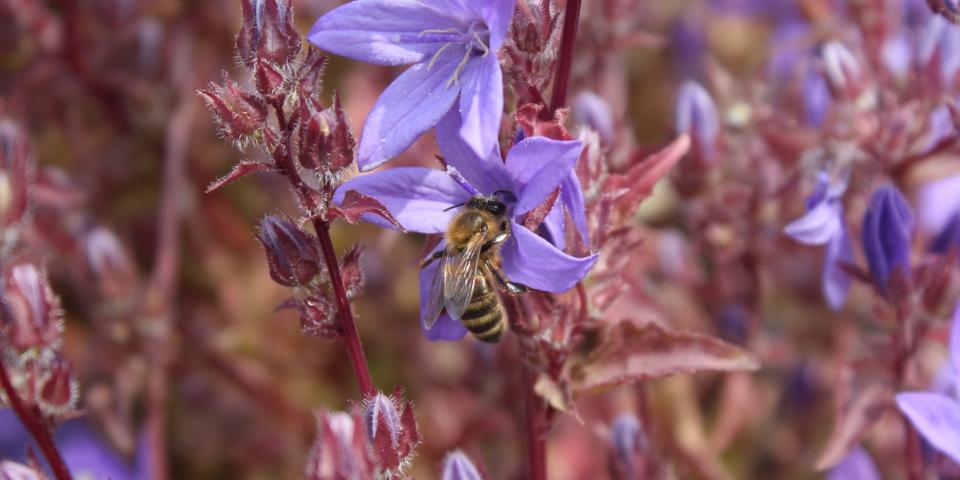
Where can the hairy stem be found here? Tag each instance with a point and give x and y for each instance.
(32, 419)
(567, 40)
(536, 447)
(351, 339)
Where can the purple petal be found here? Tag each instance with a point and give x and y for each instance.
(897, 54)
(571, 194)
(937, 202)
(554, 227)
(936, 417)
(836, 281)
(534, 262)
(413, 103)
(817, 226)
(86, 454)
(458, 466)
(446, 328)
(384, 32)
(497, 15)
(955, 345)
(481, 104)
(537, 166)
(417, 197)
(857, 465)
(487, 174)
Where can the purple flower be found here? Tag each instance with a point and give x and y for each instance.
(697, 116)
(453, 45)
(887, 227)
(935, 415)
(857, 465)
(629, 441)
(816, 98)
(420, 200)
(458, 467)
(823, 225)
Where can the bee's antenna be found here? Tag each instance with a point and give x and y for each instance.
(454, 206)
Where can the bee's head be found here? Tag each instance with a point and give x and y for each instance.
(488, 203)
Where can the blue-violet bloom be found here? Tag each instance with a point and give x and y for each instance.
(887, 228)
(458, 466)
(936, 415)
(696, 115)
(420, 200)
(453, 45)
(823, 225)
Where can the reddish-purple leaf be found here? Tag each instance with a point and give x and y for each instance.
(239, 170)
(851, 425)
(642, 177)
(355, 204)
(632, 353)
(351, 271)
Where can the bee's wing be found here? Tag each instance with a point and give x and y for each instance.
(435, 300)
(460, 275)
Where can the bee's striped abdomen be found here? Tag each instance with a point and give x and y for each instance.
(484, 316)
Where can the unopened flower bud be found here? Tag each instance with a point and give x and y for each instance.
(340, 451)
(238, 114)
(392, 436)
(268, 33)
(291, 252)
(323, 143)
(15, 165)
(887, 227)
(593, 111)
(31, 311)
(57, 390)
(458, 467)
(109, 263)
(267, 78)
(842, 68)
(697, 116)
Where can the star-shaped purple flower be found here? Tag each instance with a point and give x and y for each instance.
(936, 415)
(823, 225)
(420, 200)
(453, 45)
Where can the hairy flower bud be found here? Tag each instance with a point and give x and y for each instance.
(323, 143)
(57, 390)
(340, 451)
(392, 435)
(268, 32)
(887, 227)
(31, 311)
(593, 111)
(15, 166)
(697, 116)
(109, 262)
(239, 114)
(457, 466)
(267, 78)
(291, 252)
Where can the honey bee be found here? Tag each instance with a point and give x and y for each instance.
(469, 276)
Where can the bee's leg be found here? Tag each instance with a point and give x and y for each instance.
(431, 258)
(502, 237)
(501, 278)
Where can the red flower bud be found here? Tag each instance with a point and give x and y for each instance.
(30, 310)
(238, 114)
(392, 435)
(268, 32)
(291, 252)
(268, 78)
(57, 389)
(340, 451)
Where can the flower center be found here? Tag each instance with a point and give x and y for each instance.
(475, 41)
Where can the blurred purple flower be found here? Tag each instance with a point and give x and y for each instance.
(897, 54)
(823, 225)
(935, 415)
(696, 115)
(420, 200)
(938, 46)
(688, 40)
(628, 440)
(857, 465)
(453, 44)
(937, 203)
(458, 466)
(593, 111)
(789, 52)
(84, 452)
(948, 240)
(816, 98)
(887, 227)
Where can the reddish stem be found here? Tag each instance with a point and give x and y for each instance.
(567, 40)
(32, 420)
(536, 447)
(351, 339)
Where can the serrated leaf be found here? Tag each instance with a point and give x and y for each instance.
(633, 353)
(356, 204)
(239, 170)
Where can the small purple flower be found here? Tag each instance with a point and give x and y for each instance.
(938, 45)
(696, 115)
(936, 415)
(457, 466)
(887, 227)
(593, 111)
(857, 465)
(823, 225)
(453, 45)
(420, 200)
(628, 440)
